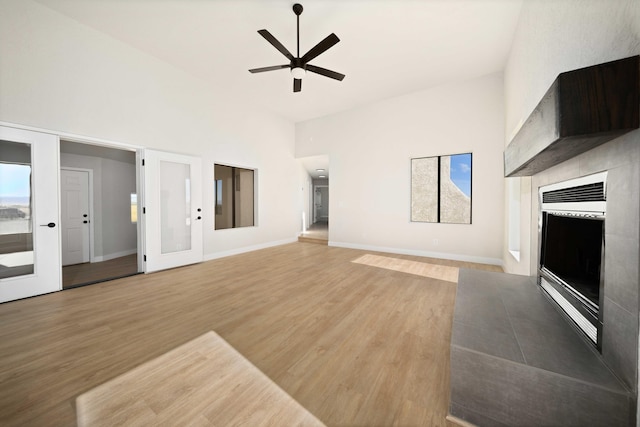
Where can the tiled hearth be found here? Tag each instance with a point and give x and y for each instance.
(528, 370)
(516, 361)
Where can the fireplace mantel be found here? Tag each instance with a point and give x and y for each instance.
(581, 110)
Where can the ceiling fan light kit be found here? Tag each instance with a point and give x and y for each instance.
(300, 65)
(298, 72)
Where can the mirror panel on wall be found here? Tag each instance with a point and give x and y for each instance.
(235, 197)
(441, 189)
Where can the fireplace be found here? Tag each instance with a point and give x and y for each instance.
(572, 221)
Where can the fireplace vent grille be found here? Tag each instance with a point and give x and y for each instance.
(582, 193)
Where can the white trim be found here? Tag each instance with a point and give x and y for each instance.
(140, 229)
(71, 137)
(515, 254)
(246, 249)
(441, 255)
(114, 255)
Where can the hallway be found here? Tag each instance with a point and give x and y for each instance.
(317, 232)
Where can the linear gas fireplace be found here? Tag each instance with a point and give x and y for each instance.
(572, 246)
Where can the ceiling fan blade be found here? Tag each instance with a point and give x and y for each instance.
(325, 44)
(263, 69)
(325, 72)
(297, 85)
(267, 35)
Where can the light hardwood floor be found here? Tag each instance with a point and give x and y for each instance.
(92, 272)
(318, 232)
(353, 344)
(204, 382)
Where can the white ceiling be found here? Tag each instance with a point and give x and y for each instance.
(317, 166)
(387, 48)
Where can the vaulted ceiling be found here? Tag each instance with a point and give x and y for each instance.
(387, 48)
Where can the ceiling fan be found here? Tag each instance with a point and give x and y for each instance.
(300, 65)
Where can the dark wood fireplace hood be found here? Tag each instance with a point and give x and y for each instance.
(581, 110)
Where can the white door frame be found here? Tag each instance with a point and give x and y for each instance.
(91, 229)
(140, 206)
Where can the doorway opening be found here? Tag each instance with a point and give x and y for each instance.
(320, 207)
(99, 227)
(314, 179)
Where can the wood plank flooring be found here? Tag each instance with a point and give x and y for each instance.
(92, 272)
(353, 344)
(318, 232)
(205, 381)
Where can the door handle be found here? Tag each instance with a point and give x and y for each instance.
(50, 225)
(85, 222)
(199, 217)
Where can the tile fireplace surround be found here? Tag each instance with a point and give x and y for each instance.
(495, 364)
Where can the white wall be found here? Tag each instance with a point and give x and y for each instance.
(119, 233)
(370, 150)
(305, 198)
(60, 75)
(553, 37)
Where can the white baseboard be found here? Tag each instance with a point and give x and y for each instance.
(441, 255)
(238, 251)
(114, 255)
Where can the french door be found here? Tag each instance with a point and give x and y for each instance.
(172, 209)
(29, 214)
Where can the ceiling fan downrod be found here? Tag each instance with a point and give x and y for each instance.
(297, 9)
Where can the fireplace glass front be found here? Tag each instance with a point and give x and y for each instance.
(572, 250)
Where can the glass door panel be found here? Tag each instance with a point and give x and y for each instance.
(29, 236)
(175, 209)
(16, 228)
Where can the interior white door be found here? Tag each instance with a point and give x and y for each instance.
(74, 224)
(172, 210)
(29, 214)
(321, 203)
(324, 206)
(317, 203)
